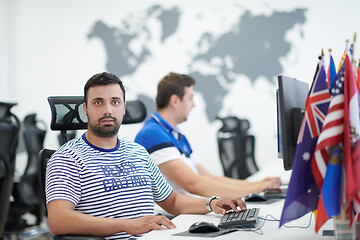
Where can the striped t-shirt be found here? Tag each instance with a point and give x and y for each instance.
(122, 182)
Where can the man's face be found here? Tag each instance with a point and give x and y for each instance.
(105, 109)
(186, 104)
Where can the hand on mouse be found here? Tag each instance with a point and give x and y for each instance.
(148, 223)
(221, 206)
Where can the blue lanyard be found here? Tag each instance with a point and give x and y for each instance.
(181, 143)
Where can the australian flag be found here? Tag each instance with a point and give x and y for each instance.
(303, 194)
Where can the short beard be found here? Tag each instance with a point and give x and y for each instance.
(106, 131)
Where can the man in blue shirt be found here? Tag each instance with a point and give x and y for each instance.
(101, 185)
(171, 151)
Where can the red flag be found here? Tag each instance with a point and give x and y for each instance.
(358, 77)
(321, 216)
(351, 138)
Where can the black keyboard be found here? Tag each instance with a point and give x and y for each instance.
(246, 218)
(275, 193)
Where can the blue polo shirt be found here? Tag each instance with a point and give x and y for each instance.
(164, 143)
(158, 134)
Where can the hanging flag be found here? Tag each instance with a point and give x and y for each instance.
(331, 74)
(351, 139)
(302, 194)
(330, 136)
(341, 63)
(331, 189)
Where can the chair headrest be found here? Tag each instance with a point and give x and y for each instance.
(5, 109)
(67, 112)
(233, 123)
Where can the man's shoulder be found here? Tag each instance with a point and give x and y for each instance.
(152, 135)
(150, 129)
(74, 146)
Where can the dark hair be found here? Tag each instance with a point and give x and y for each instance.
(101, 79)
(171, 84)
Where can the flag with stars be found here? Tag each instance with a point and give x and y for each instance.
(303, 194)
(332, 130)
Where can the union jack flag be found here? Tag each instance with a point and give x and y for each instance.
(302, 195)
(314, 116)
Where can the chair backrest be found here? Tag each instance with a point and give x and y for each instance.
(6, 183)
(236, 148)
(34, 137)
(44, 157)
(67, 113)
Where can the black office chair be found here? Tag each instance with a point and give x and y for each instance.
(9, 132)
(68, 114)
(6, 181)
(236, 148)
(26, 191)
(26, 199)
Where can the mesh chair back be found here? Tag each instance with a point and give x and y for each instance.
(236, 148)
(67, 113)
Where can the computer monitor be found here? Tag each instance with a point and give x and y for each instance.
(291, 96)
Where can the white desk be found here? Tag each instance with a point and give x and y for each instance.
(270, 230)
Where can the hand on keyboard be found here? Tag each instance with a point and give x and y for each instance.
(246, 218)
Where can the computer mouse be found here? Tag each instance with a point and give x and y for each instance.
(203, 227)
(255, 198)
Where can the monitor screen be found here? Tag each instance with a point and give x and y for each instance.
(291, 97)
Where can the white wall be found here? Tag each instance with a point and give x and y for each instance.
(45, 51)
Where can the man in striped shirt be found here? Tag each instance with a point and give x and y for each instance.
(101, 185)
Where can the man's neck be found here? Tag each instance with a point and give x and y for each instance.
(168, 117)
(101, 142)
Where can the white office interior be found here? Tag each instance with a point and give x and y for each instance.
(46, 51)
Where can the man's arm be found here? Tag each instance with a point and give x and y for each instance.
(199, 184)
(179, 203)
(63, 219)
(251, 187)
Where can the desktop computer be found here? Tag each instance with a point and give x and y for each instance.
(291, 96)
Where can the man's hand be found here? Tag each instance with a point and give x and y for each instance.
(148, 223)
(270, 183)
(223, 205)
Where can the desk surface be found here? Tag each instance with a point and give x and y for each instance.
(270, 229)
